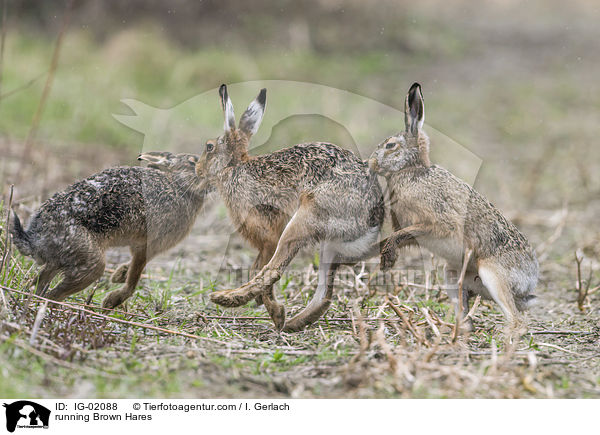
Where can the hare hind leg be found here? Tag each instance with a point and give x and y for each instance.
(81, 262)
(134, 272)
(498, 289)
(44, 278)
(76, 279)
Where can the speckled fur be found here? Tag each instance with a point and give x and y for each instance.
(265, 191)
(148, 209)
(280, 202)
(435, 209)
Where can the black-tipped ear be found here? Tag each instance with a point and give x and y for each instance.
(414, 110)
(253, 115)
(227, 107)
(262, 97)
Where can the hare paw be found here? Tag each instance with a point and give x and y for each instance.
(466, 325)
(236, 297)
(114, 299)
(298, 323)
(276, 311)
(294, 325)
(120, 275)
(388, 257)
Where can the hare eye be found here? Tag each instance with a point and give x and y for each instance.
(209, 147)
(390, 145)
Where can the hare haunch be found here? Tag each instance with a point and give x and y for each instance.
(148, 209)
(442, 213)
(283, 201)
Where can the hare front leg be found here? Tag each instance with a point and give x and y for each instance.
(404, 237)
(460, 297)
(275, 309)
(452, 292)
(117, 297)
(321, 300)
(76, 279)
(264, 255)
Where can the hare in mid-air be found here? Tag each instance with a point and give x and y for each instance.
(442, 213)
(149, 209)
(283, 201)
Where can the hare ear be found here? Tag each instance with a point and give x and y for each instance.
(227, 107)
(157, 159)
(253, 115)
(193, 159)
(414, 110)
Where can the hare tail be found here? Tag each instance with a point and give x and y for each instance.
(19, 236)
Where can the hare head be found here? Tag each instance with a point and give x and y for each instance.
(409, 148)
(181, 165)
(232, 146)
(165, 160)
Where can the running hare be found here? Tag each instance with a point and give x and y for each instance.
(445, 215)
(327, 191)
(148, 209)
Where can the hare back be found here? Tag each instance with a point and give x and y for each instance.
(269, 188)
(301, 166)
(118, 206)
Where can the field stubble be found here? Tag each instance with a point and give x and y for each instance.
(375, 341)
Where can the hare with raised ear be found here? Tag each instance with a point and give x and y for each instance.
(148, 209)
(442, 213)
(283, 201)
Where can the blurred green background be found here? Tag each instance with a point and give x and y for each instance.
(514, 82)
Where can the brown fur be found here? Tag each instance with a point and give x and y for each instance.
(286, 200)
(436, 210)
(148, 209)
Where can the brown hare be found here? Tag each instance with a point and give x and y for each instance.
(286, 200)
(148, 209)
(442, 213)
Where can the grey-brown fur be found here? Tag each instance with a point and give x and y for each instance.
(435, 209)
(148, 209)
(283, 201)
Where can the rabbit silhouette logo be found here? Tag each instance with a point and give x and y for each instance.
(26, 414)
(297, 112)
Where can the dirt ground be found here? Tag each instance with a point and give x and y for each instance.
(377, 340)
